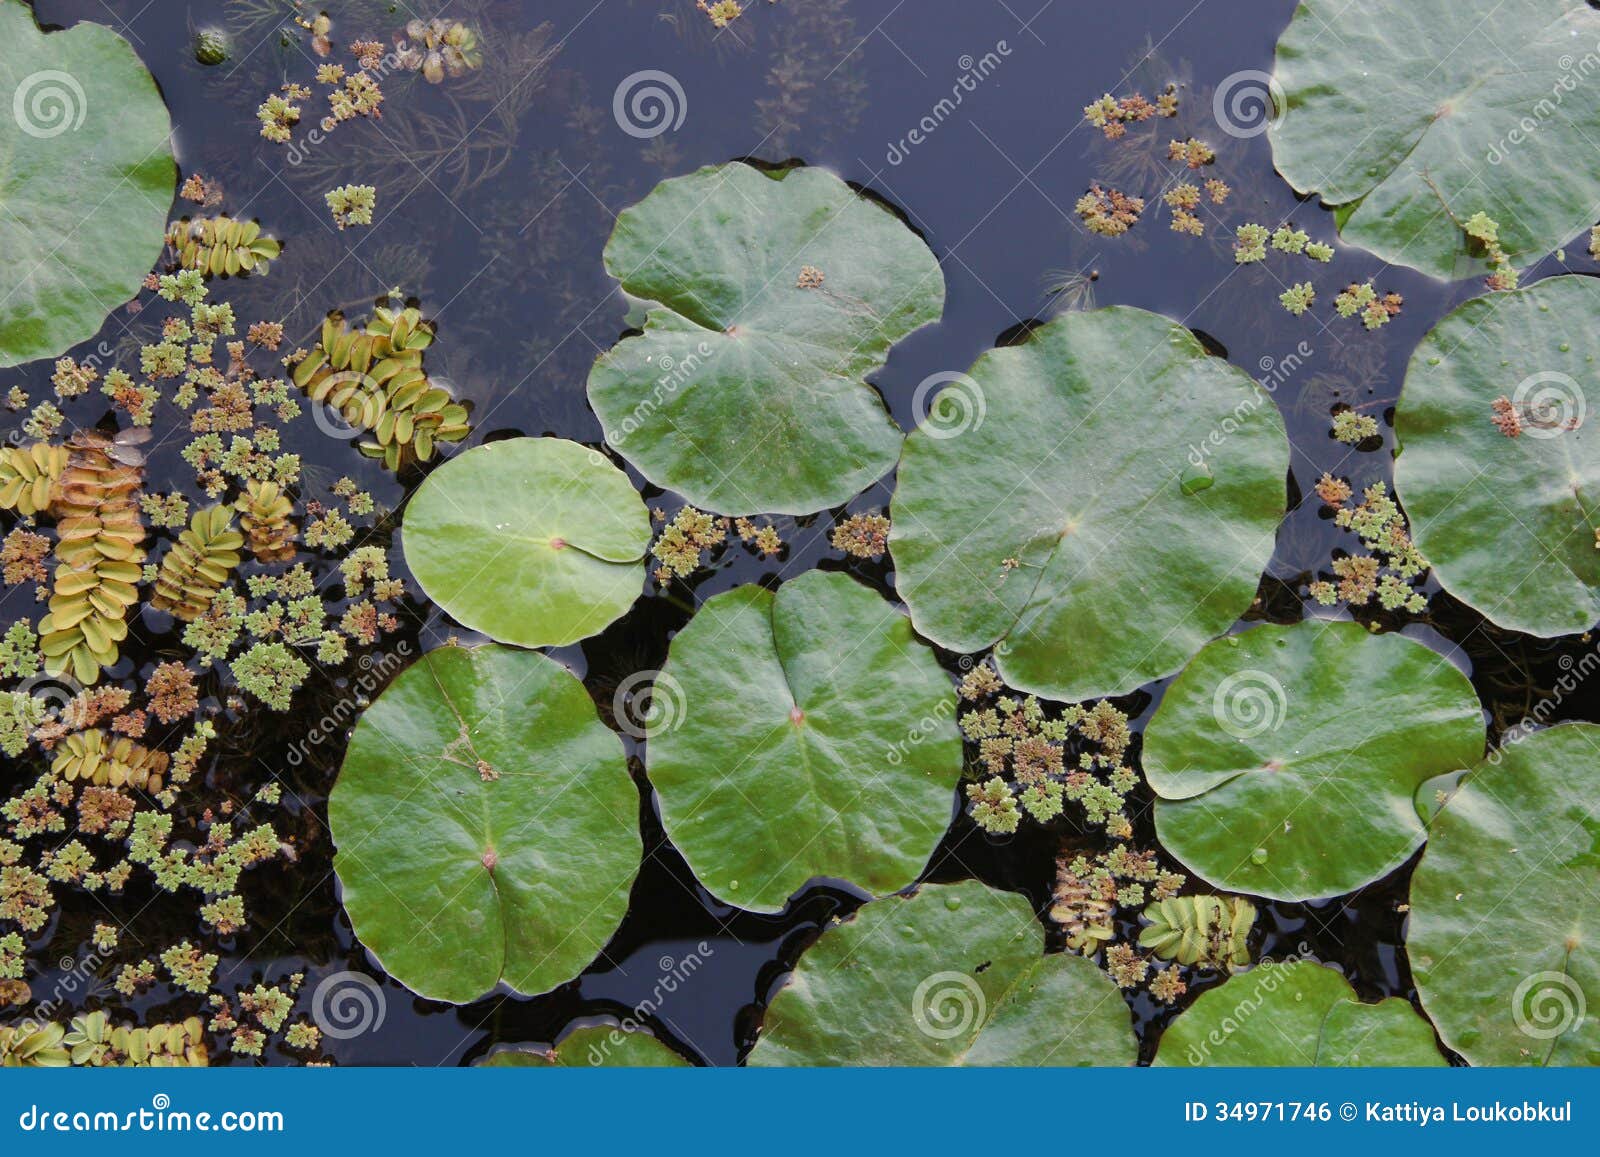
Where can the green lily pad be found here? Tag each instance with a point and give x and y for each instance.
(954, 975)
(745, 392)
(592, 1046)
(1503, 906)
(1061, 519)
(533, 541)
(1398, 149)
(815, 737)
(86, 183)
(1296, 1014)
(485, 826)
(1509, 522)
(1285, 759)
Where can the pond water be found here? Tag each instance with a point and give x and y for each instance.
(496, 195)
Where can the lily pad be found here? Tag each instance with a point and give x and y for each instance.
(1296, 1014)
(533, 541)
(955, 975)
(1509, 522)
(1405, 154)
(771, 297)
(80, 114)
(1285, 759)
(1503, 906)
(1061, 520)
(816, 737)
(593, 1046)
(485, 826)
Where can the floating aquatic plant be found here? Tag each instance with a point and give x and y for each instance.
(28, 476)
(198, 564)
(438, 48)
(221, 245)
(955, 974)
(1210, 931)
(352, 204)
(375, 379)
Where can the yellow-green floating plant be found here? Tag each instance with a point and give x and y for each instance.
(216, 245)
(264, 511)
(28, 476)
(375, 379)
(99, 552)
(1206, 930)
(94, 757)
(198, 565)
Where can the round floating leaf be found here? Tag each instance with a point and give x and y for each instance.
(1503, 906)
(955, 975)
(533, 541)
(771, 297)
(1296, 1014)
(1399, 150)
(1286, 759)
(485, 824)
(817, 738)
(1509, 522)
(593, 1046)
(86, 182)
(1059, 517)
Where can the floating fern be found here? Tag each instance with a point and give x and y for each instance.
(98, 555)
(28, 475)
(375, 379)
(198, 564)
(1206, 930)
(94, 757)
(264, 512)
(1083, 910)
(216, 245)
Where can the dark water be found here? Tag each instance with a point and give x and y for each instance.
(496, 195)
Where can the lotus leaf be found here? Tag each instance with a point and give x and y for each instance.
(1503, 904)
(815, 737)
(771, 297)
(1296, 1014)
(1285, 759)
(81, 115)
(533, 541)
(593, 1046)
(1061, 519)
(1411, 116)
(485, 825)
(1500, 470)
(954, 975)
